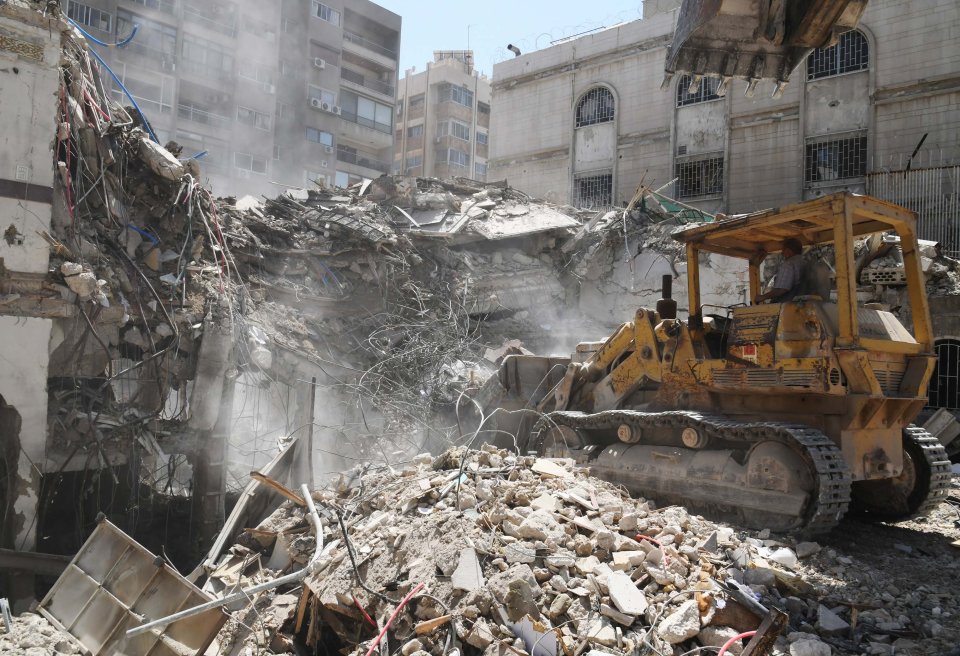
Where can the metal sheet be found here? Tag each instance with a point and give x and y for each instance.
(114, 584)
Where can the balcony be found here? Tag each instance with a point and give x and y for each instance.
(351, 156)
(214, 17)
(196, 115)
(368, 123)
(387, 91)
(371, 50)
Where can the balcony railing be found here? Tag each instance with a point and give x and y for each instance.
(150, 105)
(228, 26)
(369, 83)
(369, 45)
(166, 6)
(366, 122)
(205, 70)
(191, 113)
(361, 159)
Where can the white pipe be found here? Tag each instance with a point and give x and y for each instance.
(245, 593)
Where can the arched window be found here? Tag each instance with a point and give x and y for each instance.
(596, 106)
(851, 53)
(944, 390)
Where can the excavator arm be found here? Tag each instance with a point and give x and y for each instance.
(753, 39)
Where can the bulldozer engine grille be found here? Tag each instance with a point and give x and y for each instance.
(889, 380)
(765, 378)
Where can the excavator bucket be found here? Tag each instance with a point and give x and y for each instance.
(753, 39)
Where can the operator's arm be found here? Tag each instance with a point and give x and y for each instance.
(774, 294)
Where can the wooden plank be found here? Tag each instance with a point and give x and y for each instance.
(428, 626)
(769, 630)
(279, 488)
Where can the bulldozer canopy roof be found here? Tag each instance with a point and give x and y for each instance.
(813, 222)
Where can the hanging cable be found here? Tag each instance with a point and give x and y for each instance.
(109, 70)
(118, 44)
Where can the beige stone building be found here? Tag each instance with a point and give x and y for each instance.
(586, 120)
(277, 93)
(443, 119)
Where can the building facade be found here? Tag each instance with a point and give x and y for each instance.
(277, 93)
(443, 119)
(586, 121)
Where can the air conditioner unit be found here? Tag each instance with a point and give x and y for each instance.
(316, 103)
(319, 63)
(323, 164)
(326, 106)
(336, 110)
(328, 149)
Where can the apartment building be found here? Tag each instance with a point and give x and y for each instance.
(586, 120)
(279, 93)
(443, 119)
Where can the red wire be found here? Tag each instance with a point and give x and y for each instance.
(666, 558)
(94, 104)
(366, 615)
(726, 645)
(383, 632)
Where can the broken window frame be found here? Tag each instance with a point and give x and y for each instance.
(89, 16)
(850, 54)
(706, 92)
(254, 118)
(595, 106)
(699, 176)
(248, 162)
(593, 189)
(844, 154)
(325, 13)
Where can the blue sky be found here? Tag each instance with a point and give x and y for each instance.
(528, 24)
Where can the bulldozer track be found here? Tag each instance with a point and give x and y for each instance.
(832, 478)
(939, 463)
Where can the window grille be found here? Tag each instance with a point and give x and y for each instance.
(702, 177)
(835, 159)
(594, 191)
(706, 91)
(849, 54)
(89, 16)
(596, 106)
(944, 389)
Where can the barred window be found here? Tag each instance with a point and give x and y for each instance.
(89, 16)
(835, 159)
(594, 190)
(706, 91)
(596, 106)
(849, 54)
(701, 177)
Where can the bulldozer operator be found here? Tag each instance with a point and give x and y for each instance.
(789, 280)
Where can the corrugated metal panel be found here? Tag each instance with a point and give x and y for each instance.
(933, 193)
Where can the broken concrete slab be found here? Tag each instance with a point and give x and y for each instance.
(682, 624)
(625, 595)
(550, 469)
(468, 575)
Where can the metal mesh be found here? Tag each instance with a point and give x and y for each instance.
(848, 55)
(835, 159)
(594, 191)
(702, 177)
(706, 91)
(944, 390)
(596, 106)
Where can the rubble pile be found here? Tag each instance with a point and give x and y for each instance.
(489, 552)
(33, 635)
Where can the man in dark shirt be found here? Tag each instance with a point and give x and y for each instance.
(789, 277)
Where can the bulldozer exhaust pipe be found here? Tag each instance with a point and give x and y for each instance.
(666, 306)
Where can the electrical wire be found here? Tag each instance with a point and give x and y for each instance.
(729, 643)
(116, 79)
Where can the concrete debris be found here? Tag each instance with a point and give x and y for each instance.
(682, 624)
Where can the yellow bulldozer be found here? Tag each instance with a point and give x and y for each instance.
(778, 415)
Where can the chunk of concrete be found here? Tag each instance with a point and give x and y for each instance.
(717, 636)
(829, 622)
(618, 617)
(810, 647)
(499, 584)
(807, 549)
(520, 552)
(623, 560)
(480, 636)
(160, 160)
(468, 575)
(626, 596)
(549, 469)
(682, 624)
